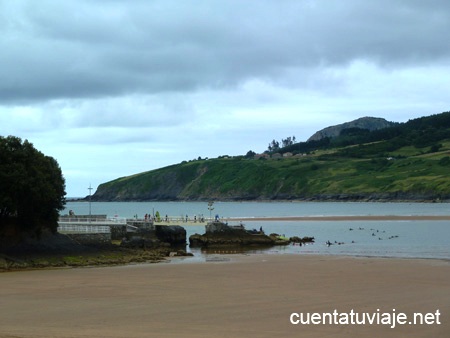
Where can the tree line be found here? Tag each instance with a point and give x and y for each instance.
(275, 145)
(421, 132)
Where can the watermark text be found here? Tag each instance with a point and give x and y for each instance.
(391, 318)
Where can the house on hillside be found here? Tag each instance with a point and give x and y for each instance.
(276, 156)
(264, 156)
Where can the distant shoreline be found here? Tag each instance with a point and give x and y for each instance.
(316, 199)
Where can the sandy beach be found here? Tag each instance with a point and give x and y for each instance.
(232, 296)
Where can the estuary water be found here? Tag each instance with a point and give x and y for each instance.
(406, 239)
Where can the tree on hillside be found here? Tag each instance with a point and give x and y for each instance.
(288, 141)
(250, 154)
(32, 188)
(275, 145)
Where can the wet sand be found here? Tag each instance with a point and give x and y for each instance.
(243, 296)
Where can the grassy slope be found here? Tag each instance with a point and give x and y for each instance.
(414, 171)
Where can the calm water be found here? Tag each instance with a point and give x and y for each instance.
(421, 239)
(257, 209)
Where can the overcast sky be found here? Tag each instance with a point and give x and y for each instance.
(113, 88)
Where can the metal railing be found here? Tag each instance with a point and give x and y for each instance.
(97, 221)
(83, 229)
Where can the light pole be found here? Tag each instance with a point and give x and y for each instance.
(90, 188)
(210, 208)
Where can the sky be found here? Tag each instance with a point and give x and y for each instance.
(112, 88)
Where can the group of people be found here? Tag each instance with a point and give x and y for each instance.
(158, 218)
(148, 218)
(200, 219)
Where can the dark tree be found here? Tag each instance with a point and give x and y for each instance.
(32, 188)
(288, 141)
(250, 154)
(273, 146)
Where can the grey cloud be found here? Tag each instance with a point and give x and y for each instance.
(135, 111)
(94, 49)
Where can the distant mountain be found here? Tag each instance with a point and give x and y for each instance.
(369, 123)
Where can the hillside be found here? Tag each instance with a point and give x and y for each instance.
(408, 161)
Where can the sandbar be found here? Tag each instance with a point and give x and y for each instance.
(348, 218)
(331, 218)
(233, 296)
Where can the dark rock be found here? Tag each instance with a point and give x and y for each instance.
(173, 234)
(308, 239)
(47, 243)
(280, 240)
(137, 242)
(220, 234)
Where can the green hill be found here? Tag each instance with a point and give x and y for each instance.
(408, 161)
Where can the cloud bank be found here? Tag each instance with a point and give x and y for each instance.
(111, 88)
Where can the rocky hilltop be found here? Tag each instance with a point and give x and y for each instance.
(368, 123)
